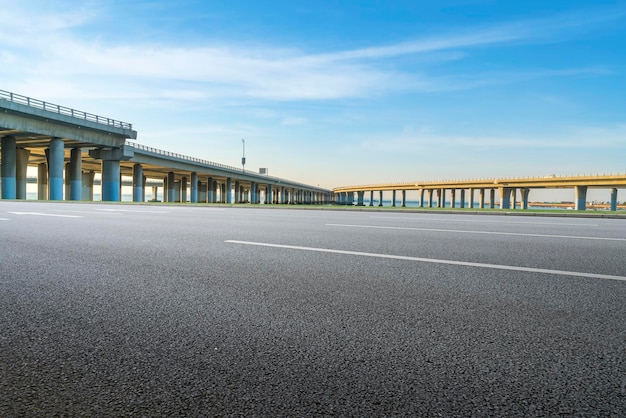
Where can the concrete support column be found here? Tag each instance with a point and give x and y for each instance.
(270, 195)
(492, 198)
(441, 196)
(430, 198)
(229, 190)
(171, 187)
(183, 190)
(8, 158)
(525, 192)
(462, 201)
(282, 195)
(194, 188)
(380, 198)
(42, 181)
(481, 199)
(471, 199)
(87, 186)
(403, 198)
(371, 197)
(581, 197)
(253, 192)
(505, 197)
(111, 180)
(21, 165)
(513, 198)
(138, 186)
(360, 198)
(76, 174)
(210, 190)
(453, 198)
(56, 161)
(421, 198)
(237, 192)
(393, 198)
(144, 180)
(67, 182)
(614, 199)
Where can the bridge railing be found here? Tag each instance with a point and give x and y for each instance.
(210, 163)
(62, 110)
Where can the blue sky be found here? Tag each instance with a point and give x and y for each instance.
(336, 92)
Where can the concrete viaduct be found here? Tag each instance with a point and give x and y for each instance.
(69, 146)
(433, 194)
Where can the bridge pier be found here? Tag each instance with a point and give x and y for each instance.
(56, 162)
(581, 197)
(193, 189)
(614, 199)
(403, 198)
(8, 169)
(87, 186)
(471, 198)
(138, 185)
(505, 197)
(492, 198)
(525, 192)
(452, 198)
(76, 174)
(42, 181)
(21, 164)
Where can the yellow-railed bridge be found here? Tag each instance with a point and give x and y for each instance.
(469, 192)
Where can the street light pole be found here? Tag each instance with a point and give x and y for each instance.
(243, 158)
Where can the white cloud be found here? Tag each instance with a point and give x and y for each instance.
(51, 52)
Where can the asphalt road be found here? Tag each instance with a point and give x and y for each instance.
(118, 310)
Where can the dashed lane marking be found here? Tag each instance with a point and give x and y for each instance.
(461, 231)
(45, 214)
(435, 261)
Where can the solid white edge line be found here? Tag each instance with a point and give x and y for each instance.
(480, 221)
(461, 231)
(435, 260)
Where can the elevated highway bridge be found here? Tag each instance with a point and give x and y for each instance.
(469, 192)
(69, 147)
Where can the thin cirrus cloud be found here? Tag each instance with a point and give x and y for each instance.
(57, 51)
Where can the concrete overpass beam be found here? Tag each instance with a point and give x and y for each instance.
(581, 197)
(8, 168)
(56, 161)
(76, 174)
(138, 185)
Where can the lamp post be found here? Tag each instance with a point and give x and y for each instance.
(243, 158)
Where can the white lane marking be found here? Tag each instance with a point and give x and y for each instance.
(479, 221)
(461, 231)
(45, 214)
(85, 211)
(435, 260)
(131, 211)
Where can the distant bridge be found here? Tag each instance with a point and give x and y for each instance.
(433, 193)
(69, 146)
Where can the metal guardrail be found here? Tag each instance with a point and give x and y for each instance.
(62, 110)
(212, 164)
